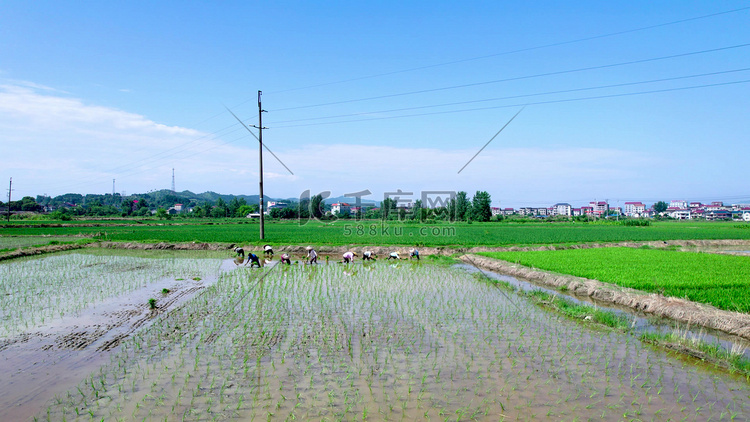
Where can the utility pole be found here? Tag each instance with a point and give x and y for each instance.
(260, 157)
(10, 189)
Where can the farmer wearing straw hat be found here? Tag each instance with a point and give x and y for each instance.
(312, 256)
(393, 255)
(413, 253)
(349, 257)
(267, 249)
(368, 256)
(285, 259)
(253, 259)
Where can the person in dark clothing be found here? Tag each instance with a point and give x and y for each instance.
(285, 259)
(240, 252)
(253, 259)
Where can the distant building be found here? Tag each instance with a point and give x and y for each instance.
(562, 209)
(341, 208)
(679, 213)
(715, 206)
(679, 204)
(634, 209)
(275, 204)
(599, 208)
(718, 215)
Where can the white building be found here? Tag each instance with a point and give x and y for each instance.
(341, 208)
(562, 209)
(634, 209)
(681, 204)
(680, 214)
(599, 208)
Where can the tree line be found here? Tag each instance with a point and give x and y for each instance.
(65, 207)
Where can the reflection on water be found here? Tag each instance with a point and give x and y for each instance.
(408, 343)
(640, 322)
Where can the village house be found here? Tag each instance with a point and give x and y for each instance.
(341, 208)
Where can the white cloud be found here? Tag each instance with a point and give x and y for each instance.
(54, 144)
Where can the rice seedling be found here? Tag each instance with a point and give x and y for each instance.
(34, 291)
(391, 343)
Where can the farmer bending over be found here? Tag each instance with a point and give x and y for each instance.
(393, 255)
(267, 249)
(285, 259)
(253, 260)
(349, 257)
(240, 252)
(368, 256)
(413, 253)
(312, 256)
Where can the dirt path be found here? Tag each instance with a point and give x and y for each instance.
(681, 310)
(382, 251)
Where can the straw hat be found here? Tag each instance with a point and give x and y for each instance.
(309, 248)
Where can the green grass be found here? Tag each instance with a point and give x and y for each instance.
(719, 280)
(13, 242)
(734, 361)
(580, 311)
(343, 232)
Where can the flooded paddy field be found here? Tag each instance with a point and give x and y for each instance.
(407, 341)
(63, 315)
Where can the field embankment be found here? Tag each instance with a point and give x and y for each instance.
(381, 249)
(681, 310)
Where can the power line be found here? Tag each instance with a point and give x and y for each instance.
(527, 104)
(517, 78)
(565, 91)
(519, 50)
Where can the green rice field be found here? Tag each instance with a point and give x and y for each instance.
(407, 341)
(344, 232)
(720, 280)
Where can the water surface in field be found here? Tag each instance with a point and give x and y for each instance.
(640, 321)
(380, 342)
(56, 354)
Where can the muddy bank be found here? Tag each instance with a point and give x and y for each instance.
(382, 251)
(20, 253)
(681, 310)
(192, 246)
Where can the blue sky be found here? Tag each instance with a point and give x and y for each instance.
(626, 101)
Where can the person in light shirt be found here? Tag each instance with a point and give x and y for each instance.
(312, 256)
